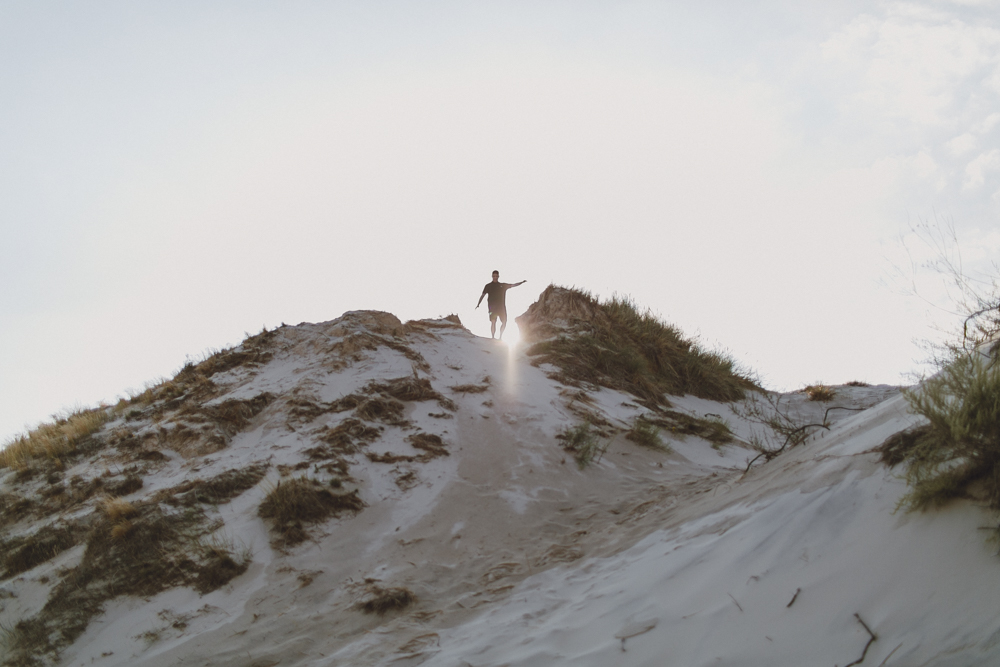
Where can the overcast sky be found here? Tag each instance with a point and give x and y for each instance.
(175, 174)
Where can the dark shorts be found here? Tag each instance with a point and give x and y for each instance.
(500, 312)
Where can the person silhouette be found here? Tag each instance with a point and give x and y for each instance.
(497, 302)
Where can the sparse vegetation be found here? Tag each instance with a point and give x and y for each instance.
(957, 453)
(24, 553)
(764, 409)
(294, 504)
(383, 600)
(585, 445)
(140, 554)
(616, 345)
(820, 392)
(857, 383)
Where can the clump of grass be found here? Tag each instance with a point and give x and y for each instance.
(55, 440)
(294, 504)
(381, 409)
(383, 600)
(344, 437)
(713, 429)
(857, 383)
(646, 434)
(615, 344)
(25, 553)
(116, 509)
(215, 491)
(820, 392)
(221, 564)
(473, 388)
(957, 453)
(584, 444)
(13, 508)
(253, 351)
(234, 415)
(430, 444)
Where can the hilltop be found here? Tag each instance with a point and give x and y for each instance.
(370, 492)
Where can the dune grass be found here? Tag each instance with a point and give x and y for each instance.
(957, 452)
(56, 439)
(623, 347)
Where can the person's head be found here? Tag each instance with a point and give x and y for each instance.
(496, 276)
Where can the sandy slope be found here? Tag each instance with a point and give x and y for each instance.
(517, 557)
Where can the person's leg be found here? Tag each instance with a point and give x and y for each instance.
(493, 326)
(503, 322)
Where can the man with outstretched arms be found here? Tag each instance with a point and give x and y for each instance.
(497, 302)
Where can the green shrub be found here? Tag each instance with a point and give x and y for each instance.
(645, 434)
(958, 452)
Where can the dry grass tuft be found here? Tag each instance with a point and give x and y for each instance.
(121, 530)
(116, 509)
(430, 444)
(410, 388)
(292, 505)
(216, 491)
(681, 424)
(820, 392)
(383, 600)
(472, 388)
(345, 436)
(380, 409)
(55, 440)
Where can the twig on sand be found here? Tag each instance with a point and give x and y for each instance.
(794, 597)
(734, 601)
(870, 642)
(890, 655)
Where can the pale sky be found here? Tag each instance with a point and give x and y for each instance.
(175, 174)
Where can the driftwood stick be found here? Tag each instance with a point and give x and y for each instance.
(794, 597)
(870, 642)
(882, 664)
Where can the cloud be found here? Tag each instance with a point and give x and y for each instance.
(914, 64)
(976, 170)
(961, 144)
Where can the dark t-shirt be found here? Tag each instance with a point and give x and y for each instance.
(496, 295)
